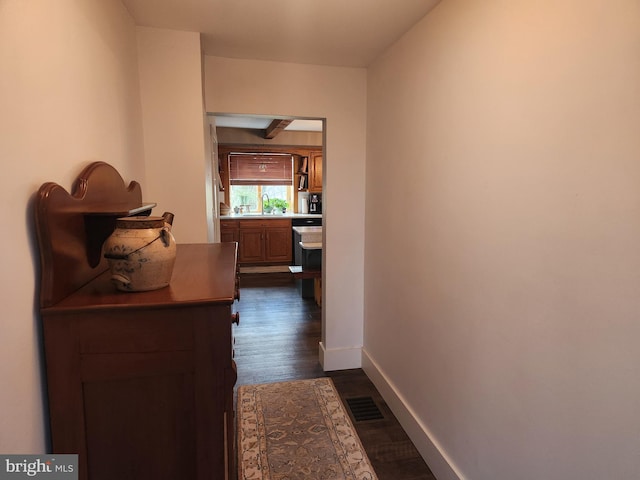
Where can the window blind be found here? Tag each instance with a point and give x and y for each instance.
(260, 169)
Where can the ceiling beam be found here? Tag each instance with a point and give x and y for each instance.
(275, 127)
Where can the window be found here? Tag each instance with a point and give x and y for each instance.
(252, 175)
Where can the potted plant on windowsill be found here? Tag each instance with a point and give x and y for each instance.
(275, 205)
(279, 204)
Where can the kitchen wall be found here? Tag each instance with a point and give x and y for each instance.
(502, 263)
(339, 95)
(69, 94)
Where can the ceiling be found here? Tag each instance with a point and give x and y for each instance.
(348, 33)
(263, 123)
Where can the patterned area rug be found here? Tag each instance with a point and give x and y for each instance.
(297, 430)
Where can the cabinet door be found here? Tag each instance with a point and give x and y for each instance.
(229, 235)
(315, 172)
(278, 244)
(130, 386)
(251, 245)
(229, 231)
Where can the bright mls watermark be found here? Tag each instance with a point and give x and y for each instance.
(51, 467)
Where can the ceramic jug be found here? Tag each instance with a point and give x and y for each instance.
(141, 253)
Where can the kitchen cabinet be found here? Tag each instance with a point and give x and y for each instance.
(309, 172)
(315, 172)
(229, 231)
(140, 385)
(264, 241)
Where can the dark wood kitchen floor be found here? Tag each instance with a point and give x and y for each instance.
(277, 340)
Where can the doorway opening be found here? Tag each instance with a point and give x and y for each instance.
(266, 164)
(284, 157)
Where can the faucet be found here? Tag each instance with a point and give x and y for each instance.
(262, 203)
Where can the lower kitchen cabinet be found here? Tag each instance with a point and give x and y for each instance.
(229, 231)
(264, 241)
(277, 244)
(251, 244)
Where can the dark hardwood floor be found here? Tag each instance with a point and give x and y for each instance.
(277, 340)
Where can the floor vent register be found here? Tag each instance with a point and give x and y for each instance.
(364, 409)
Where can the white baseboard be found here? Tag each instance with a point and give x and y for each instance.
(438, 461)
(340, 358)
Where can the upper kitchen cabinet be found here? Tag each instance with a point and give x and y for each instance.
(309, 171)
(315, 172)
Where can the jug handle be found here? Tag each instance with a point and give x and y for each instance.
(121, 279)
(165, 236)
(168, 218)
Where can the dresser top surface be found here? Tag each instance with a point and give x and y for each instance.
(203, 274)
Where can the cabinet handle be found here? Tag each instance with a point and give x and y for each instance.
(235, 318)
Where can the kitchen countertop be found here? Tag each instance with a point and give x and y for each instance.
(311, 245)
(309, 235)
(304, 230)
(267, 216)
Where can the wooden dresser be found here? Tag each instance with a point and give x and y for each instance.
(140, 384)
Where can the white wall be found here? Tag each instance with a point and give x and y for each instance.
(174, 134)
(339, 95)
(68, 96)
(503, 237)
